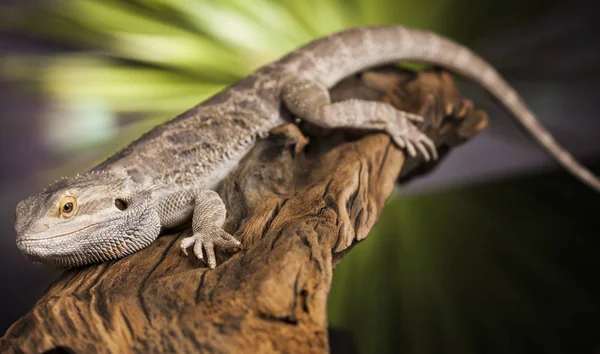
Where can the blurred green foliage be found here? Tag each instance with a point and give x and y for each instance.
(159, 57)
(449, 272)
(155, 58)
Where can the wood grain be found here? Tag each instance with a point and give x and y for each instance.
(298, 204)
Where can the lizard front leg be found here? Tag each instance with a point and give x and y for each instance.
(310, 101)
(207, 212)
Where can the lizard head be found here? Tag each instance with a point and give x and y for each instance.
(86, 219)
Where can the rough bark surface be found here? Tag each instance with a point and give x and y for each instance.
(298, 207)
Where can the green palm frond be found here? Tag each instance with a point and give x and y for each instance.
(159, 57)
(148, 49)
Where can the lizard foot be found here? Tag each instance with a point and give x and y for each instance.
(208, 240)
(407, 136)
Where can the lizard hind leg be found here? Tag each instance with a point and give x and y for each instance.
(310, 101)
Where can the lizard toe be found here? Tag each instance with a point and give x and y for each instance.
(423, 150)
(410, 147)
(226, 240)
(187, 242)
(414, 117)
(205, 242)
(399, 140)
(198, 247)
(431, 146)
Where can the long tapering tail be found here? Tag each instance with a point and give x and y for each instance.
(332, 58)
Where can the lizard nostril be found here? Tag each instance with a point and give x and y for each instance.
(121, 204)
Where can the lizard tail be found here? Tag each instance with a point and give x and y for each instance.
(344, 53)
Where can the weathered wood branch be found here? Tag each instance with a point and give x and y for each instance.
(298, 207)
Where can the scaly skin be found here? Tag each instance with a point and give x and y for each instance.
(166, 178)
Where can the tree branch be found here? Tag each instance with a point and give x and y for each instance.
(298, 207)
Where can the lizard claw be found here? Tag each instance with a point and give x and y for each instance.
(407, 136)
(185, 243)
(410, 147)
(413, 117)
(207, 240)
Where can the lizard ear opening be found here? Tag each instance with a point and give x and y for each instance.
(121, 204)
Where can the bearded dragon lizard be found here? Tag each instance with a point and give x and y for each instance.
(167, 177)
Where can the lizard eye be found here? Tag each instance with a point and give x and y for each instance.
(68, 206)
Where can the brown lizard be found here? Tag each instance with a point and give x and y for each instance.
(167, 177)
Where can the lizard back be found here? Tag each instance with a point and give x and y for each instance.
(201, 145)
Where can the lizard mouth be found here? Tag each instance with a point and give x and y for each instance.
(33, 239)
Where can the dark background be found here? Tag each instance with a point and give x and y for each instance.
(494, 252)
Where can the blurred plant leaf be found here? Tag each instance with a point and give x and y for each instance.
(142, 53)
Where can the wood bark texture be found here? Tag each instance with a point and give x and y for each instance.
(297, 203)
